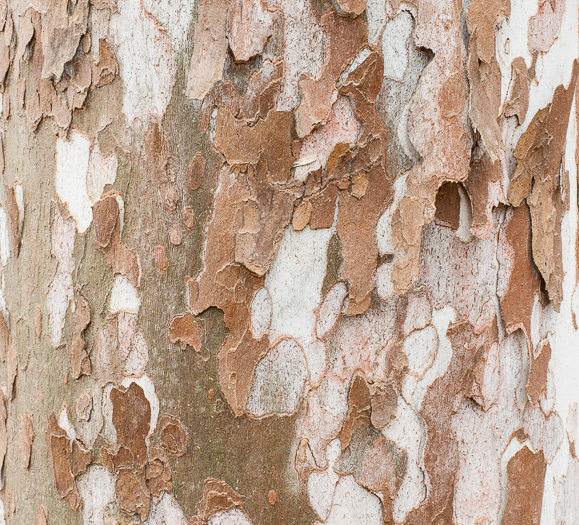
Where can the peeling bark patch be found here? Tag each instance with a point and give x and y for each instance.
(133, 496)
(108, 226)
(196, 172)
(188, 217)
(526, 478)
(537, 381)
(174, 436)
(131, 417)
(218, 496)
(79, 360)
(60, 291)
(160, 258)
(545, 26)
(250, 24)
(543, 145)
(84, 406)
(72, 159)
(346, 36)
(61, 33)
(518, 297)
(517, 102)
(158, 472)
(60, 454)
(157, 156)
(185, 331)
(25, 439)
(352, 7)
(209, 48)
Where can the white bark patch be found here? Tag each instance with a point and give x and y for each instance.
(72, 159)
(294, 282)
(562, 393)
(384, 226)
(342, 126)
(65, 424)
(175, 16)
(97, 490)
(407, 431)
(461, 274)
(551, 69)
(109, 430)
(4, 237)
(260, 313)
(322, 485)
(330, 309)
(88, 431)
(60, 290)
(303, 50)
(377, 13)
(124, 297)
(358, 343)
(354, 505)
(166, 511)
(395, 45)
(229, 517)
(102, 170)
(418, 313)
(441, 319)
(278, 382)
(138, 356)
(482, 436)
(384, 284)
(146, 61)
(420, 348)
(545, 433)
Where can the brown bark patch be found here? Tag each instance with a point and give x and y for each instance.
(196, 172)
(107, 239)
(525, 482)
(184, 331)
(537, 381)
(174, 435)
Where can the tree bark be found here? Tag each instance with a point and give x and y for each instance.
(289, 262)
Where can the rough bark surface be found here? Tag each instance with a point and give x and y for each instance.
(289, 262)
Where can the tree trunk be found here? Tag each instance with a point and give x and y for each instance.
(289, 262)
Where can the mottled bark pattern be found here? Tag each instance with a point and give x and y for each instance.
(289, 262)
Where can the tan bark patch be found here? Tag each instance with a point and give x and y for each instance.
(160, 258)
(209, 48)
(25, 439)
